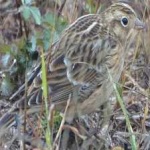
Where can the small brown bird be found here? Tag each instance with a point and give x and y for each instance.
(79, 62)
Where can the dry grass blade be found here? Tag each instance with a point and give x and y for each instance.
(56, 143)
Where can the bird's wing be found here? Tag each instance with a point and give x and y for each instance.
(77, 59)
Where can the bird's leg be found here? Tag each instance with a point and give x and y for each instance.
(106, 113)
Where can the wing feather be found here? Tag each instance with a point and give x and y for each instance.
(77, 59)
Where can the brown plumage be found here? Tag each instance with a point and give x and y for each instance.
(78, 63)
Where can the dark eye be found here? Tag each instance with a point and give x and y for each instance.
(124, 21)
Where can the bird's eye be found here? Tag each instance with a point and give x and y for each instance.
(124, 21)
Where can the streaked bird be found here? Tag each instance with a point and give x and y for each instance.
(79, 63)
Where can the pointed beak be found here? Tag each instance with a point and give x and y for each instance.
(139, 24)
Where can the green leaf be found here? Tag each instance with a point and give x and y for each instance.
(54, 23)
(26, 2)
(49, 18)
(36, 14)
(25, 11)
(23, 2)
(33, 41)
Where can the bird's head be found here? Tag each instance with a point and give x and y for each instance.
(120, 19)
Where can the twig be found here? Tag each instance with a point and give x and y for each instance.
(61, 8)
(62, 122)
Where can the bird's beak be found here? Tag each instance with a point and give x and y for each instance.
(139, 24)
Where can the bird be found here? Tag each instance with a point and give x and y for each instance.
(80, 62)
